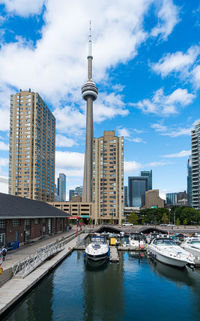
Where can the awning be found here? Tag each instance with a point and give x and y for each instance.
(74, 218)
(85, 216)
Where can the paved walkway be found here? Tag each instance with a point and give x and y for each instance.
(24, 251)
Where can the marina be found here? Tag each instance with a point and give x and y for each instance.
(116, 292)
(26, 277)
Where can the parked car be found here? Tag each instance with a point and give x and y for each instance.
(127, 224)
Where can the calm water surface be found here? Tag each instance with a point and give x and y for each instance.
(135, 289)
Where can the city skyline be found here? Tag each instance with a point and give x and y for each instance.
(146, 68)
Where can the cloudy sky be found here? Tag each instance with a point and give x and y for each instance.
(146, 65)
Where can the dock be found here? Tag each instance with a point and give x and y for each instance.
(114, 255)
(16, 287)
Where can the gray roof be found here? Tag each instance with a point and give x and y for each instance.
(19, 207)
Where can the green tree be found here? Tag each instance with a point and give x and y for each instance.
(165, 218)
(133, 218)
(185, 222)
(178, 221)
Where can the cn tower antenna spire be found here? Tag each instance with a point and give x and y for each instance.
(90, 41)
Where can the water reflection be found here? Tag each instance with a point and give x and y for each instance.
(37, 305)
(180, 277)
(103, 293)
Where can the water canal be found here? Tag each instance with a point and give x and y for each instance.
(134, 289)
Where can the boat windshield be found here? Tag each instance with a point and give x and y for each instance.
(195, 242)
(166, 242)
(98, 239)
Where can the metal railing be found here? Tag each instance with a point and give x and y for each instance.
(26, 266)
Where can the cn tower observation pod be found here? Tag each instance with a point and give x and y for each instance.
(89, 89)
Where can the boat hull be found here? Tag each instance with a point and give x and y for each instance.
(193, 251)
(167, 260)
(96, 261)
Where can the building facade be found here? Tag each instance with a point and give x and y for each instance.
(61, 187)
(196, 166)
(137, 186)
(32, 147)
(78, 191)
(189, 181)
(153, 200)
(108, 178)
(149, 175)
(125, 196)
(23, 219)
(171, 198)
(76, 210)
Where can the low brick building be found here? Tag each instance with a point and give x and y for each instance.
(22, 219)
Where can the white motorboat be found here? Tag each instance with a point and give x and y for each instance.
(97, 252)
(168, 252)
(136, 241)
(192, 245)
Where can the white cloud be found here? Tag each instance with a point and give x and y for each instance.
(168, 18)
(159, 128)
(62, 141)
(130, 166)
(196, 76)
(127, 133)
(4, 146)
(23, 7)
(178, 132)
(72, 160)
(157, 164)
(183, 153)
(3, 185)
(176, 62)
(61, 51)
(165, 105)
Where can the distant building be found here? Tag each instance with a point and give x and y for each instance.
(189, 181)
(171, 198)
(108, 177)
(137, 186)
(61, 187)
(78, 210)
(32, 147)
(153, 200)
(196, 166)
(125, 196)
(78, 191)
(149, 175)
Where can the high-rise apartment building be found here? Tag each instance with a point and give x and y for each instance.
(61, 187)
(137, 186)
(196, 166)
(149, 175)
(189, 181)
(32, 147)
(108, 177)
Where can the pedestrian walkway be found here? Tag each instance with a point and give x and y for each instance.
(15, 288)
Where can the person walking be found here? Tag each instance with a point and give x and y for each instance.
(4, 252)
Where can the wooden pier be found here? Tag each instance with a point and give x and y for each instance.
(114, 256)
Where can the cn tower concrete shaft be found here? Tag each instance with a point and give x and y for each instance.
(89, 93)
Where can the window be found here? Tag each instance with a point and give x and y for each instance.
(15, 223)
(2, 223)
(27, 222)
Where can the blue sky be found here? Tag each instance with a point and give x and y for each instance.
(146, 65)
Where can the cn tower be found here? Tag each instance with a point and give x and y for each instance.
(89, 93)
